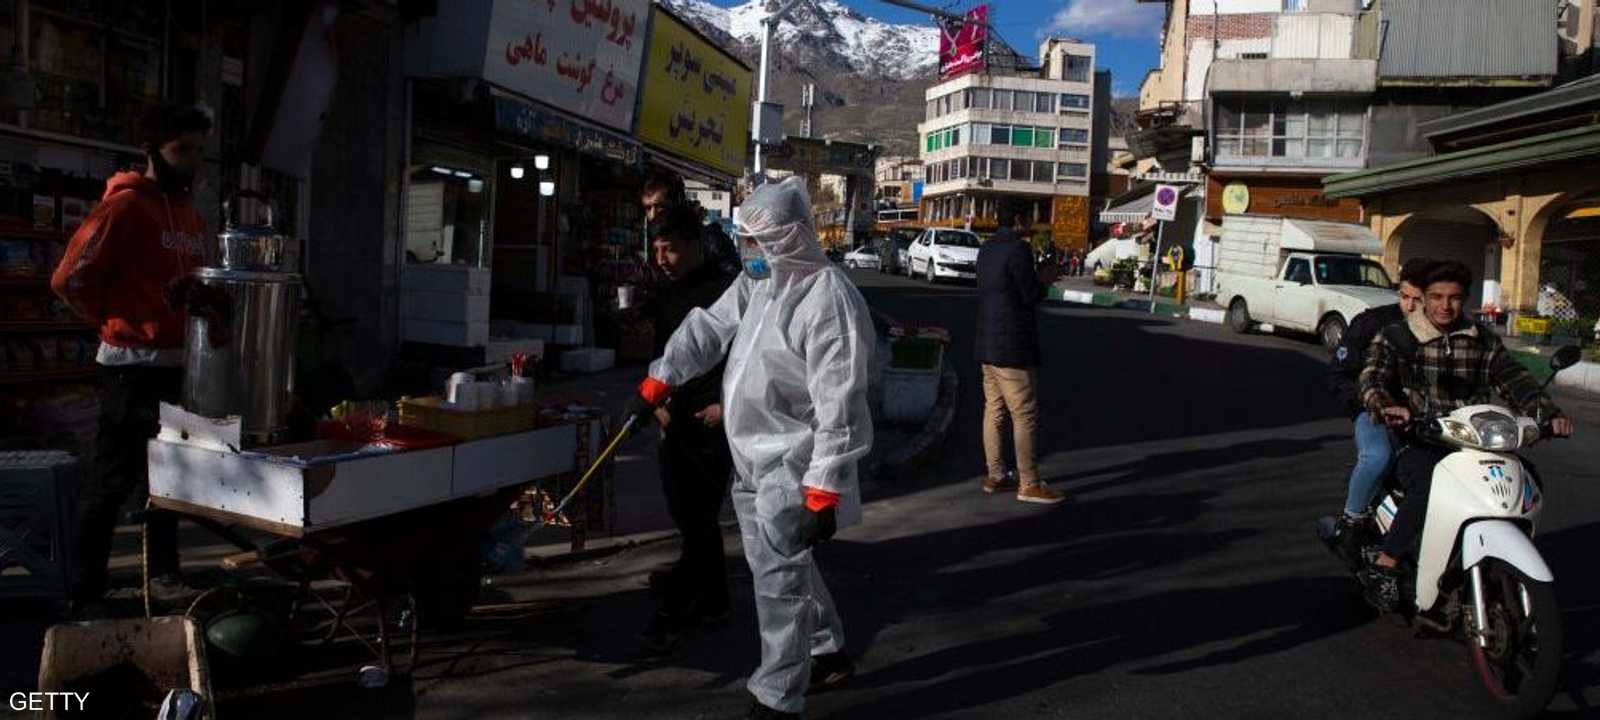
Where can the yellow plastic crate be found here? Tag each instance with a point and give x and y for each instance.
(1533, 325)
(429, 413)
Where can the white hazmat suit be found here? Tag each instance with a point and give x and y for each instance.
(799, 346)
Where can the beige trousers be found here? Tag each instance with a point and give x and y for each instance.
(1011, 394)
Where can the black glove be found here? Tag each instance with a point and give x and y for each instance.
(640, 411)
(818, 526)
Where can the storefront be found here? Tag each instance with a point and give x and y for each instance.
(524, 176)
(67, 123)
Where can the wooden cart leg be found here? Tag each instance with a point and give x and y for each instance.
(144, 566)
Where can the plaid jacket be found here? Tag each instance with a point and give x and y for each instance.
(1466, 366)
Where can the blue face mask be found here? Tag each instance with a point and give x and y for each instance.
(754, 262)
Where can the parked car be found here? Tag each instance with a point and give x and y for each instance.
(1305, 275)
(941, 253)
(892, 249)
(862, 258)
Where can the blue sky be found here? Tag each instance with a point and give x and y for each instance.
(1127, 33)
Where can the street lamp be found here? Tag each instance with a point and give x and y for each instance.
(547, 188)
(541, 162)
(517, 171)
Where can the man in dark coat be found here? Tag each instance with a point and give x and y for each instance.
(696, 466)
(1009, 291)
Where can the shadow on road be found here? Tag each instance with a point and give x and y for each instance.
(1572, 556)
(1277, 614)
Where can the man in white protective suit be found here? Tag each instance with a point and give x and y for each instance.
(799, 342)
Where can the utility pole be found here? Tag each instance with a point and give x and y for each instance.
(808, 102)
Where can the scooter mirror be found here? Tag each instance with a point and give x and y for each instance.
(1565, 357)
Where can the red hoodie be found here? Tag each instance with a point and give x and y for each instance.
(118, 264)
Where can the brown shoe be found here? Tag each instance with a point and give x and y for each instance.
(1039, 493)
(994, 485)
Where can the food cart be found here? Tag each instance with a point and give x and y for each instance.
(377, 525)
(400, 523)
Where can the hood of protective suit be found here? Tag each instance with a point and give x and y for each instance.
(778, 217)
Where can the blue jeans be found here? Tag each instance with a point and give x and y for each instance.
(1374, 455)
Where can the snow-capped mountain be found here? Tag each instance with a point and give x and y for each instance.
(822, 36)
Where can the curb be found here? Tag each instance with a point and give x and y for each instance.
(912, 456)
(1112, 300)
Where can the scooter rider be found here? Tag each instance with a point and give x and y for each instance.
(1441, 361)
(1374, 447)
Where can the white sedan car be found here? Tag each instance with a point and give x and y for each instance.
(862, 258)
(940, 254)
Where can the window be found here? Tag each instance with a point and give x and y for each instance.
(944, 105)
(980, 168)
(1344, 270)
(1041, 170)
(1000, 135)
(1002, 99)
(999, 168)
(1019, 170)
(1041, 137)
(966, 99)
(1260, 128)
(955, 136)
(1078, 68)
(1073, 102)
(981, 133)
(1072, 136)
(1299, 271)
(982, 98)
(1024, 101)
(1022, 136)
(933, 108)
(1294, 5)
(1071, 171)
(1045, 103)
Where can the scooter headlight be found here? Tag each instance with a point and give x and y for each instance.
(1459, 431)
(1530, 434)
(1496, 431)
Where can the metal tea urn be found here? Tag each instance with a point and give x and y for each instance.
(247, 368)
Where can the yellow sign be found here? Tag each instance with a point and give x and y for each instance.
(696, 97)
(1235, 198)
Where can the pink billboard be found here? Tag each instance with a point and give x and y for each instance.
(961, 44)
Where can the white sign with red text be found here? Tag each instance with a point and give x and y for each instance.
(582, 56)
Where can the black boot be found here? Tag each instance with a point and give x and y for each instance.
(830, 671)
(758, 711)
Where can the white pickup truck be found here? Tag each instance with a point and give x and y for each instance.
(1306, 275)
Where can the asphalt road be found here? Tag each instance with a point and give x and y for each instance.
(1181, 580)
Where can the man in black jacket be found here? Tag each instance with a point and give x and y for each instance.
(1374, 448)
(1009, 291)
(696, 466)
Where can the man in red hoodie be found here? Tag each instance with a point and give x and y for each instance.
(143, 238)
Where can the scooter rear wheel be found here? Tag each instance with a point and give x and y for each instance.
(1521, 664)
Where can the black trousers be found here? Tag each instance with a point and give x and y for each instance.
(696, 472)
(130, 398)
(1413, 469)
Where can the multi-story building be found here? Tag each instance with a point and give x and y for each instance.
(1256, 101)
(1031, 135)
(898, 184)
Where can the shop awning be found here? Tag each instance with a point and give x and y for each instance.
(1134, 205)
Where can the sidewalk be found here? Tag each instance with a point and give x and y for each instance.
(1083, 291)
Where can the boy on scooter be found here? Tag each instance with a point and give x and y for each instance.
(1441, 361)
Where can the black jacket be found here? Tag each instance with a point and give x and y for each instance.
(698, 289)
(1008, 291)
(1350, 357)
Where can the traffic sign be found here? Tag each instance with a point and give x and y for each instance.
(1165, 206)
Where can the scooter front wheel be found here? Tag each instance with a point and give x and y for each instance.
(1519, 662)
